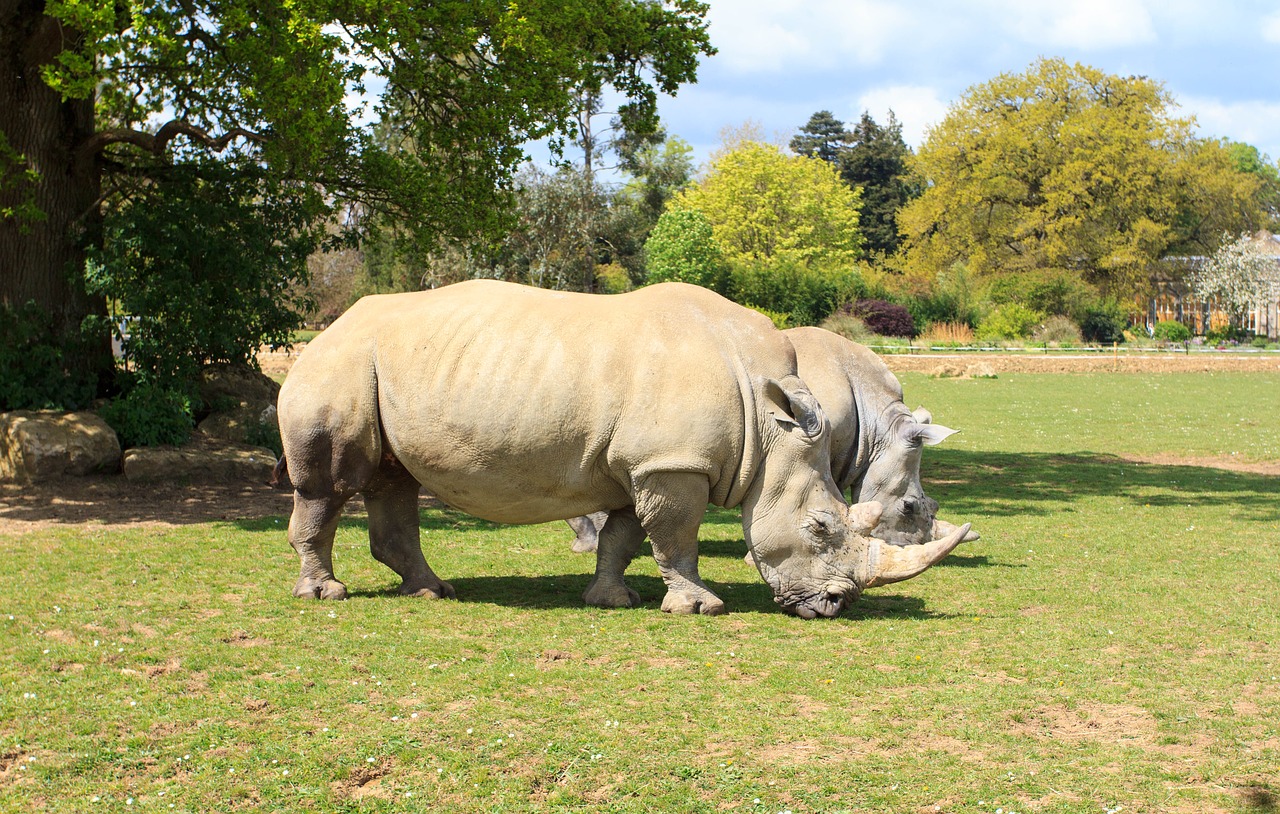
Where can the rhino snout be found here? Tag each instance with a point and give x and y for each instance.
(828, 604)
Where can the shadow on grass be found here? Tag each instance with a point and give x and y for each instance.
(564, 591)
(1019, 484)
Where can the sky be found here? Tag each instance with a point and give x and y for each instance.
(779, 61)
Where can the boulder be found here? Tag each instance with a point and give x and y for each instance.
(242, 403)
(202, 460)
(42, 445)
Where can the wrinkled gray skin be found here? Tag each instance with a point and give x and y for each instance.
(876, 442)
(489, 395)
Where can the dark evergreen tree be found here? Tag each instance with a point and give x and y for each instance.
(822, 137)
(876, 160)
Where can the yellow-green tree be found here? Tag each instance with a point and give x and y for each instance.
(765, 205)
(1065, 168)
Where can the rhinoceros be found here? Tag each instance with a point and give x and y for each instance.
(520, 405)
(876, 442)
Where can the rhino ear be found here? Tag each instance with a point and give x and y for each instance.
(792, 405)
(922, 415)
(932, 434)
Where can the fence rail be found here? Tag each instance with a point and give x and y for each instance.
(1045, 350)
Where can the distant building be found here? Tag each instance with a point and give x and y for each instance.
(1172, 300)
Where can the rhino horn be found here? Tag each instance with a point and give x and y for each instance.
(865, 516)
(941, 528)
(891, 563)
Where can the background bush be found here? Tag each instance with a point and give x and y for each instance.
(1012, 320)
(1172, 331)
(881, 317)
(1104, 323)
(36, 364)
(1058, 329)
(681, 249)
(850, 327)
(150, 414)
(806, 292)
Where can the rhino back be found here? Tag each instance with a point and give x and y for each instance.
(523, 405)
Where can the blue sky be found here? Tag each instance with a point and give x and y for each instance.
(781, 60)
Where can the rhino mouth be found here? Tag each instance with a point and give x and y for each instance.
(828, 606)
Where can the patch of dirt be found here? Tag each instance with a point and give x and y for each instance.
(1208, 461)
(364, 781)
(1110, 723)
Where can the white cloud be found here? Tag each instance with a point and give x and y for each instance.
(1271, 29)
(1253, 122)
(1083, 24)
(762, 36)
(916, 107)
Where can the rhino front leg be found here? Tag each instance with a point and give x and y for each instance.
(394, 536)
(619, 539)
(670, 507)
(311, 529)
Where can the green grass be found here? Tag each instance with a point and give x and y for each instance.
(1113, 640)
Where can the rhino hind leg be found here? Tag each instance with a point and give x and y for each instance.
(620, 536)
(311, 530)
(394, 536)
(671, 507)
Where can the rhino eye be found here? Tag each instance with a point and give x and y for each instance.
(819, 526)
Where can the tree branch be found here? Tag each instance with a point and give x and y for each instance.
(155, 143)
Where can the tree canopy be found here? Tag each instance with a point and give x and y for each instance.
(763, 204)
(100, 98)
(1069, 168)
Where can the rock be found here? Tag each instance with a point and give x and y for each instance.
(242, 401)
(44, 445)
(242, 424)
(225, 386)
(202, 460)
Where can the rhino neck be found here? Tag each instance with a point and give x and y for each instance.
(737, 482)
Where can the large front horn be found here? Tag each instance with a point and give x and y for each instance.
(941, 528)
(891, 563)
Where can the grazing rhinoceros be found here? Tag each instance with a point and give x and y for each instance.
(521, 405)
(876, 441)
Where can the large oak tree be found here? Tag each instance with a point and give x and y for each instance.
(1066, 168)
(99, 96)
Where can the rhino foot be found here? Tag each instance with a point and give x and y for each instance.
(584, 546)
(319, 589)
(704, 602)
(434, 590)
(617, 595)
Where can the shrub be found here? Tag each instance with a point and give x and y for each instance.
(780, 320)
(149, 415)
(948, 333)
(883, 318)
(952, 300)
(681, 248)
(850, 327)
(38, 369)
(1009, 321)
(1051, 292)
(1058, 329)
(1104, 323)
(1172, 331)
(806, 292)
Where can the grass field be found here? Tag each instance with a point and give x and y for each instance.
(1111, 644)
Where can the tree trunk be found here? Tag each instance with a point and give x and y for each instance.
(42, 245)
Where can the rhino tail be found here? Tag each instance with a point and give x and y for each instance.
(280, 474)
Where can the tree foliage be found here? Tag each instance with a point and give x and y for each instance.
(876, 162)
(99, 99)
(682, 248)
(823, 136)
(1242, 274)
(1061, 167)
(763, 204)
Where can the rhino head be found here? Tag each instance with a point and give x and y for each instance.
(892, 479)
(816, 552)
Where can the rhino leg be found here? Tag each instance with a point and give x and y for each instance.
(311, 529)
(620, 537)
(392, 501)
(587, 531)
(670, 506)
